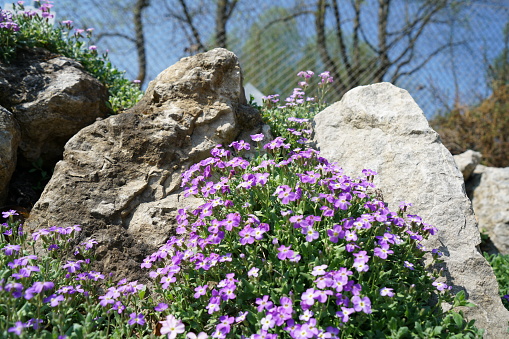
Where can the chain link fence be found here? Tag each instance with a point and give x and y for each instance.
(276, 39)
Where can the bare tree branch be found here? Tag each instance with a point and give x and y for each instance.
(430, 56)
(285, 18)
(118, 35)
(189, 21)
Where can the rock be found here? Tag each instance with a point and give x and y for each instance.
(120, 177)
(489, 191)
(467, 161)
(9, 141)
(52, 98)
(380, 127)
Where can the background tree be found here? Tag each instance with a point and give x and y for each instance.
(483, 127)
(393, 39)
(189, 13)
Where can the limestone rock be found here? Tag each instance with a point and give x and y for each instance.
(9, 141)
(52, 98)
(489, 191)
(120, 177)
(467, 161)
(380, 127)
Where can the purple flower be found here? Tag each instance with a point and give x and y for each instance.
(54, 299)
(350, 236)
(89, 243)
(213, 305)
(34, 323)
(167, 280)
(9, 213)
(308, 297)
(72, 266)
(95, 276)
(107, 299)
(303, 332)
(267, 322)
(286, 194)
(253, 272)
(383, 251)
(387, 238)
(310, 233)
(225, 323)
(257, 137)
(147, 263)
(10, 249)
(284, 252)
(386, 291)
(172, 327)
(37, 288)
(264, 303)
(305, 74)
(336, 233)
(361, 304)
(241, 317)
(344, 315)
(137, 319)
(343, 201)
(161, 307)
(409, 265)
(319, 270)
(310, 177)
(441, 286)
(201, 335)
(17, 328)
(200, 290)
(240, 145)
(361, 256)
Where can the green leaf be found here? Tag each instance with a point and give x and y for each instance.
(458, 319)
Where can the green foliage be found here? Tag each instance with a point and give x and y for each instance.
(500, 265)
(28, 29)
(43, 174)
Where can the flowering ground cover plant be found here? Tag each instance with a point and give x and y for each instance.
(23, 28)
(50, 296)
(285, 245)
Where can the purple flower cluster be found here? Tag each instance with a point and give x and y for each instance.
(8, 24)
(115, 295)
(314, 201)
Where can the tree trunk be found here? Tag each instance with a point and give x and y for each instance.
(140, 39)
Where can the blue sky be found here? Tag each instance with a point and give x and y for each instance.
(479, 27)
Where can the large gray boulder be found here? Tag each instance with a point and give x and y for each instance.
(52, 98)
(9, 141)
(380, 127)
(120, 177)
(467, 161)
(489, 191)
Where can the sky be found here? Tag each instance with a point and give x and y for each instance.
(458, 73)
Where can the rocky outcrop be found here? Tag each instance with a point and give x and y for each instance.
(9, 141)
(380, 127)
(467, 161)
(52, 98)
(489, 191)
(120, 177)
